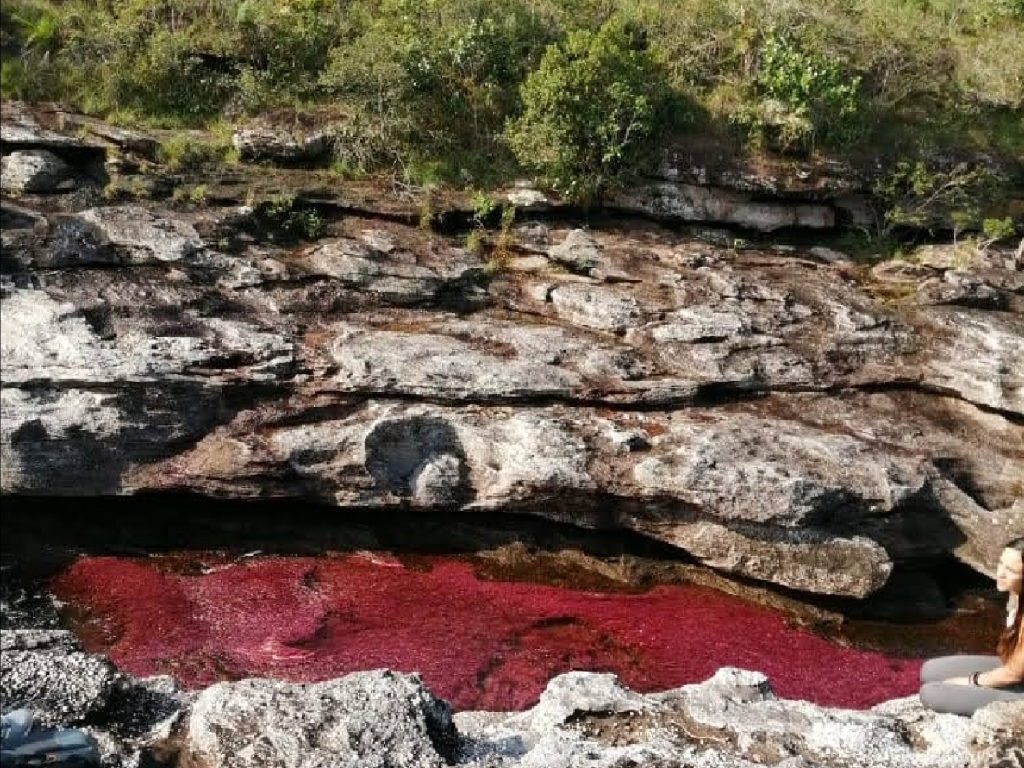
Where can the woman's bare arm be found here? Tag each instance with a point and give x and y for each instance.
(1010, 673)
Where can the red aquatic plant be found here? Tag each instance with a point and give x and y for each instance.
(479, 644)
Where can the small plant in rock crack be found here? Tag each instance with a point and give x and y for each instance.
(501, 254)
(484, 207)
(475, 242)
(291, 218)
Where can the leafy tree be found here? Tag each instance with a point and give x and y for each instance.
(922, 197)
(591, 109)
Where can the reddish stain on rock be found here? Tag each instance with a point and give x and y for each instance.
(478, 644)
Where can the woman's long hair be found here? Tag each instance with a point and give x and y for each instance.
(1012, 636)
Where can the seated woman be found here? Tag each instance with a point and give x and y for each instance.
(963, 684)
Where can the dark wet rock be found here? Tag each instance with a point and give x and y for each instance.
(46, 672)
(13, 216)
(140, 726)
(364, 720)
(71, 241)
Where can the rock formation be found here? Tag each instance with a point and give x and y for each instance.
(779, 414)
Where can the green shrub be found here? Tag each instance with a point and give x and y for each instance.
(187, 152)
(291, 218)
(802, 98)
(501, 253)
(592, 109)
(484, 207)
(282, 47)
(994, 230)
(474, 242)
(437, 78)
(29, 69)
(433, 89)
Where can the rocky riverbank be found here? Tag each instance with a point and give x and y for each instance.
(715, 377)
(381, 718)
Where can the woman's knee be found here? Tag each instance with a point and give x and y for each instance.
(930, 695)
(942, 697)
(944, 667)
(936, 670)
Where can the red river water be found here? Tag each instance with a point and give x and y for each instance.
(479, 644)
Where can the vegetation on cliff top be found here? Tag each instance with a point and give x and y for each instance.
(579, 91)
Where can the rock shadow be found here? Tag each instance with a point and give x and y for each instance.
(421, 459)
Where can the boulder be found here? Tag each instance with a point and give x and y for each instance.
(596, 306)
(141, 237)
(687, 202)
(34, 171)
(732, 720)
(804, 560)
(579, 252)
(21, 129)
(62, 688)
(779, 501)
(364, 720)
(278, 144)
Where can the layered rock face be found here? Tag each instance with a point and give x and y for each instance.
(778, 413)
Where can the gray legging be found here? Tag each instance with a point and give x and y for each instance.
(962, 699)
